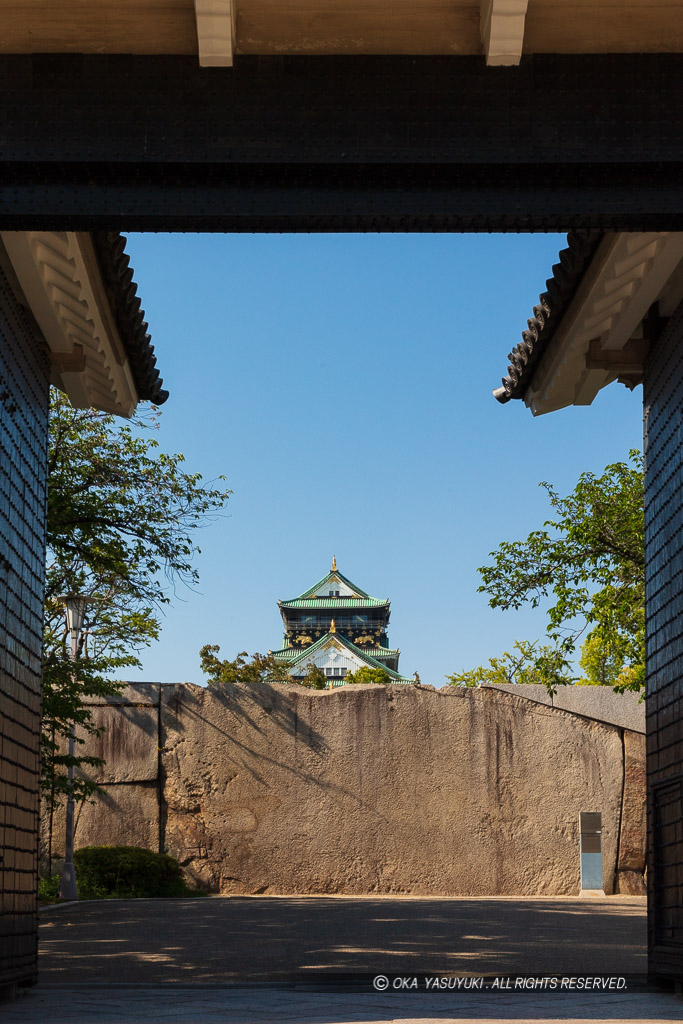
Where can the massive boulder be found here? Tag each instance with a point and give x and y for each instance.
(365, 789)
(392, 789)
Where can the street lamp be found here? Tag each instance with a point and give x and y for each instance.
(76, 607)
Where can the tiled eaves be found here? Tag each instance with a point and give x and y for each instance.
(117, 276)
(336, 604)
(552, 305)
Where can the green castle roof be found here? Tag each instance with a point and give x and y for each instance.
(361, 599)
(380, 653)
(294, 653)
(287, 655)
(335, 603)
(334, 574)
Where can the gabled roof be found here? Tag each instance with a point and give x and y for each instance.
(334, 575)
(377, 653)
(360, 598)
(293, 656)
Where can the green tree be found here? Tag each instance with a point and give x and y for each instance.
(589, 560)
(314, 677)
(365, 674)
(120, 521)
(257, 668)
(260, 668)
(526, 663)
(604, 665)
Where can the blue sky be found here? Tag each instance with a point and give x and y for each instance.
(342, 383)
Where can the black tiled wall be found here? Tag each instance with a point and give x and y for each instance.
(24, 398)
(664, 600)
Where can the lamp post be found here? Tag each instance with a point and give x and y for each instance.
(75, 616)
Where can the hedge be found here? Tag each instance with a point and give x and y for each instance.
(126, 872)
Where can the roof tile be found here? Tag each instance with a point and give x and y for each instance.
(117, 276)
(548, 313)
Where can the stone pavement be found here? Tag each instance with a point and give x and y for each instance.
(292, 939)
(255, 960)
(220, 1005)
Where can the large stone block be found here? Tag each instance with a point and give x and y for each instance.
(631, 883)
(600, 702)
(374, 789)
(133, 693)
(632, 842)
(124, 815)
(128, 743)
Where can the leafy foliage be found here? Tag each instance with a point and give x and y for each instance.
(119, 530)
(48, 889)
(590, 560)
(120, 513)
(314, 678)
(526, 663)
(261, 668)
(366, 674)
(62, 705)
(127, 872)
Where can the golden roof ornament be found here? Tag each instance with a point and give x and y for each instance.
(333, 628)
(334, 563)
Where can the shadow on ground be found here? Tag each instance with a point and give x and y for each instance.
(303, 939)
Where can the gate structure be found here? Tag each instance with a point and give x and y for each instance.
(357, 120)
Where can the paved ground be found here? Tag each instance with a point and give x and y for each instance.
(211, 1005)
(268, 939)
(311, 961)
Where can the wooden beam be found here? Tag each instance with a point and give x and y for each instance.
(502, 30)
(69, 362)
(627, 360)
(215, 32)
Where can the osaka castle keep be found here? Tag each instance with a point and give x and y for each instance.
(338, 627)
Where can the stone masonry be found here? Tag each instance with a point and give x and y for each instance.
(367, 789)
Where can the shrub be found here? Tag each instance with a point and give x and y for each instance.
(365, 674)
(48, 889)
(126, 872)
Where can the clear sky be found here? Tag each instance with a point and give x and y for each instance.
(342, 383)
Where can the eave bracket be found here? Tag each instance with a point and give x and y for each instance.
(626, 363)
(215, 32)
(502, 30)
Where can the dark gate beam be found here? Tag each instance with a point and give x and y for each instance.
(330, 198)
(342, 143)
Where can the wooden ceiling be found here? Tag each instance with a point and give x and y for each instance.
(341, 26)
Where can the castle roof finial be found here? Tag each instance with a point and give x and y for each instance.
(334, 563)
(333, 628)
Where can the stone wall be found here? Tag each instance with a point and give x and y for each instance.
(366, 789)
(24, 371)
(625, 710)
